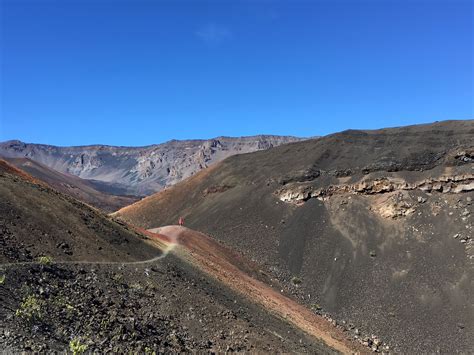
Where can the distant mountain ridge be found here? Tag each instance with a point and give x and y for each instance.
(139, 170)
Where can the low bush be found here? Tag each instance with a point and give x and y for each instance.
(45, 260)
(296, 280)
(30, 308)
(77, 347)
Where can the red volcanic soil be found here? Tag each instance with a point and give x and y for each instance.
(232, 270)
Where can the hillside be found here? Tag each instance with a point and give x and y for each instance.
(71, 277)
(138, 170)
(78, 188)
(373, 226)
(36, 221)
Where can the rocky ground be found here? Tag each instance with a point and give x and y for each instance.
(157, 307)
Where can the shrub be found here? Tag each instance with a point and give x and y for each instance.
(2, 279)
(45, 260)
(296, 280)
(77, 347)
(149, 351)
(30, 308)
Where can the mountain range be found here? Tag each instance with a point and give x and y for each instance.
(138, 171)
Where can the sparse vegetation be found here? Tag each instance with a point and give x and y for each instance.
(104, 323)
(30, 308)
(373, 254)
(117, 277)
(316, 307)
(45, 260)
(136, 286)
(296, 280)
(2, 279)
(77, 347)
(149, 351)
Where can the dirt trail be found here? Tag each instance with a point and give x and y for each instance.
(84, 262)
(231, 270)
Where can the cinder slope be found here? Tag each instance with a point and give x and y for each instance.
(78, 188)
(36, 220)
(354, 217)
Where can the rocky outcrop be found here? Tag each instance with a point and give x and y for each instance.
(298, 193)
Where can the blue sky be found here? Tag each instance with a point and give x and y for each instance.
(143, 72)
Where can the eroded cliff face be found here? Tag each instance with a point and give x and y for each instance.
(444, 172)
(139, 170)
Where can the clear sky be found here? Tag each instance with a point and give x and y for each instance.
(141, 72)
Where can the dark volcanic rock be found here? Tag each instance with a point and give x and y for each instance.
(173, 308)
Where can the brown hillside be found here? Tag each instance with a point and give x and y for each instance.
(36, 220)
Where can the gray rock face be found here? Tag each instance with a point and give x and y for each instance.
(139, 170)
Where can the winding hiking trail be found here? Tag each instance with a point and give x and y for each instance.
(235, 272)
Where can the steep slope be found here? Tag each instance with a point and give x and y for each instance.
(374, 226)
(36, 221)
(78, 188)
(110, 289)
(138, 170)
